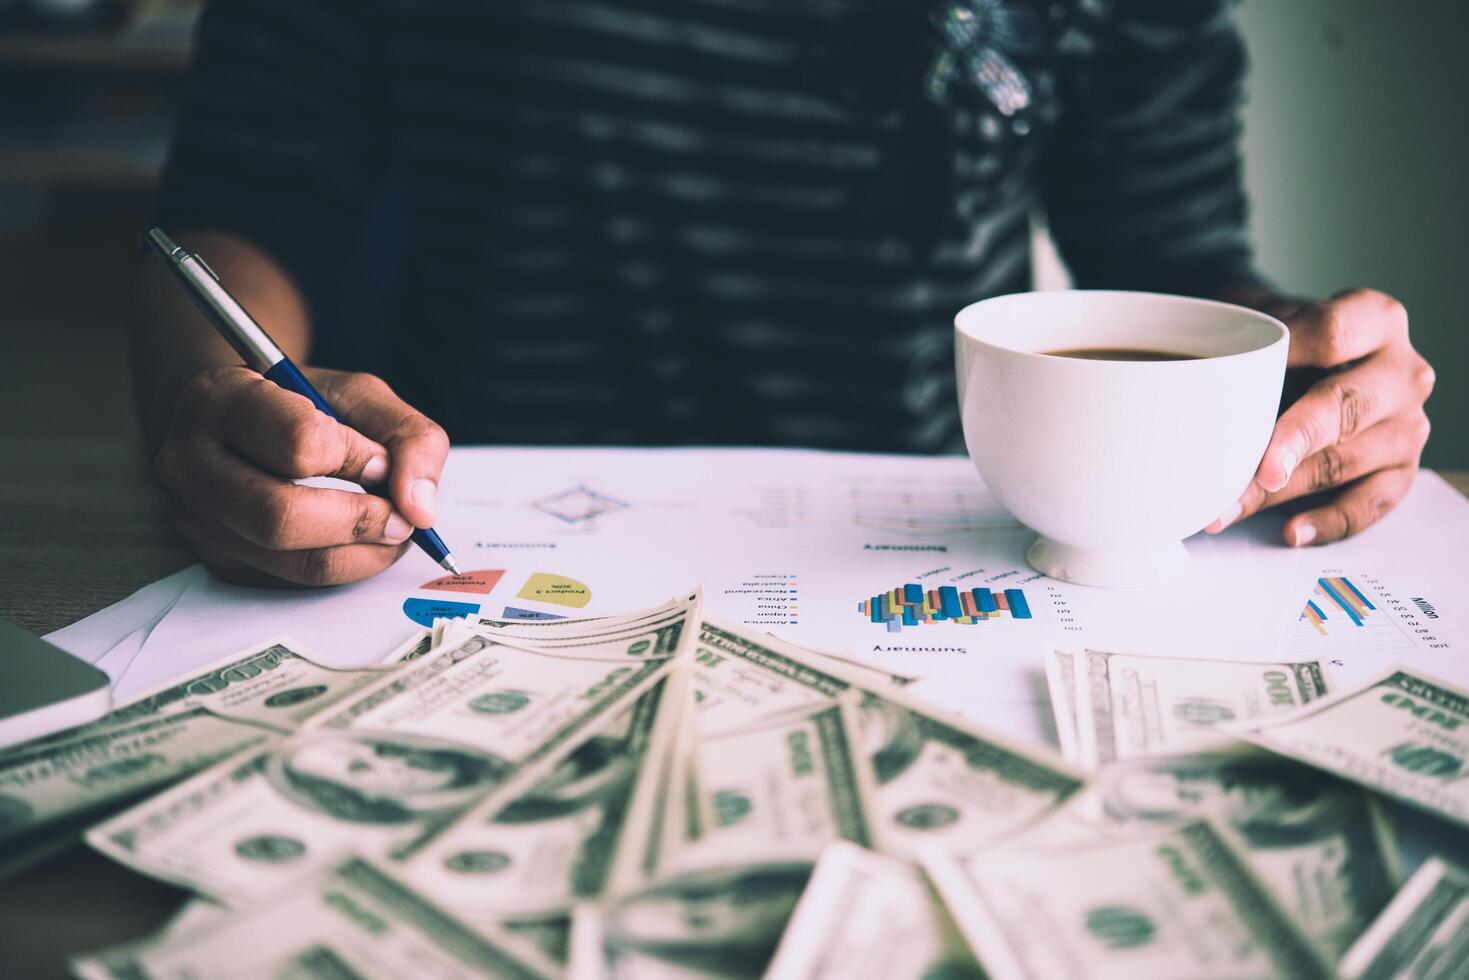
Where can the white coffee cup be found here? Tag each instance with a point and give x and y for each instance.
(1115, 462)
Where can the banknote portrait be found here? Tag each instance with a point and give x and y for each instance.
(725, 918)
(382, 778)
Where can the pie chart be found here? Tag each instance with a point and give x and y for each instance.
(496, 593)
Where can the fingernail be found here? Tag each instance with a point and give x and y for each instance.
(376, 469)
(1288, 462)
(424, 494)
(397, 529)
(1305, 534)
(1231, 515)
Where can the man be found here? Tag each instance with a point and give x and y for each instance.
(698, 221)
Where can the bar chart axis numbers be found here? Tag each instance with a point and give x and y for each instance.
(1062, 614)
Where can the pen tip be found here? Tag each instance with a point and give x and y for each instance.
(450, 564)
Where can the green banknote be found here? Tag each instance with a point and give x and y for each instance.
(1320, 844)
(352, 920)
(720, 922)
(663, 627)
(387, 769)
(787, 785)
(1404, 734)
(1170, 904)
(1129, 705)
(938, 778)
(1422, 935)
(1061, 685)
(50, 788)
(559, 842)
(868, 917)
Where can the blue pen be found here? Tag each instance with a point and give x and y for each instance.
(261, 353)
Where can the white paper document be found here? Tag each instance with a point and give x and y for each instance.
(907, 563)
(93, 638)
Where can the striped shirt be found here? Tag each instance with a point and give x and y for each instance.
(711, 221)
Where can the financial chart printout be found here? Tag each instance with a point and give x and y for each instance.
(1376, 616)
(905, 563)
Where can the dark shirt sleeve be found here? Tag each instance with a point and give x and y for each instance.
(276, 136)
(1143, 180)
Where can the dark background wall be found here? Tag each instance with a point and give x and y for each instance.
(1356, 143)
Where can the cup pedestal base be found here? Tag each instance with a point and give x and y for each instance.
(1109, 568)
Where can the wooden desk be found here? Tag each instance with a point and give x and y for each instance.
(82, 529)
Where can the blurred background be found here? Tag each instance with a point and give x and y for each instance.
(1354, 143)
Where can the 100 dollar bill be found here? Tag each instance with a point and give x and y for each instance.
(246, 700)
(1320, 844)
(353, 920)
(786, 785)
(938, 778)
(1422, 935)
(665, 624)
(1403, 734)
(867, 916)
(560, 841)
(1061, 685)
(1180, 903)
(276, 684)
(719, 922)
(1129, 705)
(386, 770)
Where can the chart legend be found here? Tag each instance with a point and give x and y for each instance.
(913, 605)
(765, 599)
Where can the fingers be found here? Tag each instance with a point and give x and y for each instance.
(270, 512)
(1344, 328)
(238, 560)
(1397, 441)
(1359, 427)
(416, 445)
(277, 429)
(1352, 510)
(1340, 407)
(235, 447)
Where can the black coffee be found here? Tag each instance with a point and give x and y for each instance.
(1122, 354)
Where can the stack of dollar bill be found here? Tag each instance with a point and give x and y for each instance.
(661, 794)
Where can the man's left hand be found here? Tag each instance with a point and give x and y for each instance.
(1356, 435)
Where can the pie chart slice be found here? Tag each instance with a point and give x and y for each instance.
(558, 590)
(424, 611)
(482, 582)
(529, 615)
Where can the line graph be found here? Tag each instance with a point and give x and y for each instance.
(926, 510)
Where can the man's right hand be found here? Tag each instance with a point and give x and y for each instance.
(237, 443)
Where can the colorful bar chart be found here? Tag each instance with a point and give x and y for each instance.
(1336, 600)
(911, 604)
